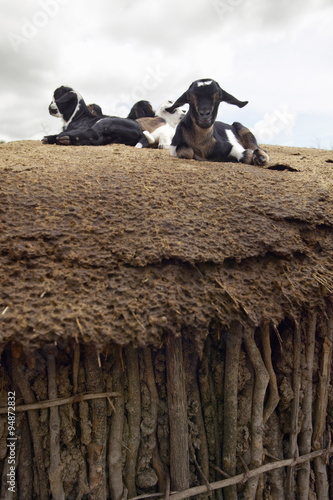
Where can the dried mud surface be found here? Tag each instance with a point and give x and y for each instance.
(115, 243)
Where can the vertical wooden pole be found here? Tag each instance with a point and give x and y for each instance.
(233, 348)
(115, 458)
(97, 446)
(293, 446)
(177, 404)
(133, 407)
(55, 470)
(303, 476)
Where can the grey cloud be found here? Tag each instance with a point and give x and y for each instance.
(113, 52)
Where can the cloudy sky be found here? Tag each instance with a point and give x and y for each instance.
(276, 54)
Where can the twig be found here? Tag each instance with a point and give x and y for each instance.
(167, 487)
(157, 463)
(150, 495)
(303, 476)
(133, 407)
(177, 408)
(224, 474)
(318, 437)
(233, 349)
(51, 403)
(290, 462)
(199, 468)
(97, 446)
(246, 469)
(115, 453)
(257, 415)
(76, 365)
(23, 383)
(55, 470)
(273, 397)
(293, 450)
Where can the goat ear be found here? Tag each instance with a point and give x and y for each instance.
(183, 99)
(66, 97)
(230, 99)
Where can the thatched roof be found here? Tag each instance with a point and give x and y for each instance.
(114, 243)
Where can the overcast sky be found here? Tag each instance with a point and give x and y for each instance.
(276, 54)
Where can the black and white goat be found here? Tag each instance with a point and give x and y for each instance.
(199, 136)
(82, 127)
(159, 130)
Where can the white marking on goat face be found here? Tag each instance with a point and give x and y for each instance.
(202, 83)
(54, 110)
(237, 149)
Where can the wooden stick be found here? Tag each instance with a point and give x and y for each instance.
(157, 463)
(193, 395)
(215, 419)
(257, 416)
(115, 457)
(303, 476)
(25, 463)
(224, 474)
(293, 450)
(149, 495)
(133, 407)
(23, 383)
(273, 397)
(55, 470)
(177, 409)
(290, 462)
(275, 478)
(51, 403)
(322, 486)
(97, 446)
(233, 348)
(76, 366)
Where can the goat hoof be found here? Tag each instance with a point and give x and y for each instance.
(45, 140)
(64, 140)
(260, 157)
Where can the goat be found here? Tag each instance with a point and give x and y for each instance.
(138, 110)
(160, 129)
(96, 110)
(141, 109)
(199, 136)
(81, 127)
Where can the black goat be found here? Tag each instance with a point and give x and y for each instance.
(96, 110)
(199, 136)
(82, 127)
(141, 109)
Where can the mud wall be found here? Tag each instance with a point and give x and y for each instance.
(125, 421)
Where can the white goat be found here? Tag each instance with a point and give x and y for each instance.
(160, 129)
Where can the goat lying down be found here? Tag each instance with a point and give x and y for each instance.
(141, 109)
(160, 129)
(82, 127)
(199, 136)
